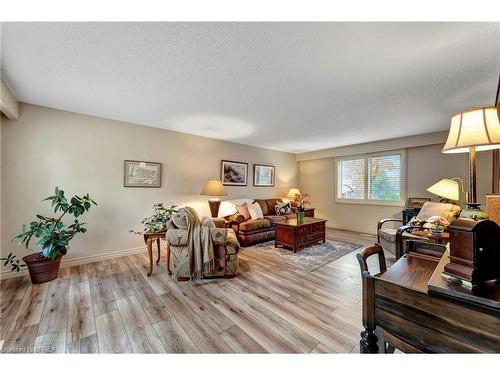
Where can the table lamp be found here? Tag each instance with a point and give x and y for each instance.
(447, 189)
(291, 195)
(214, 188)
(474, 130)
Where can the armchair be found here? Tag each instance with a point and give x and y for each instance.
(226, 249)
(392, 239)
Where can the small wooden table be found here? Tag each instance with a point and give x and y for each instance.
(429, 243)
(149, 237)
(294, 235)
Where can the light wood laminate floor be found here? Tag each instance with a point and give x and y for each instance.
(113, 307)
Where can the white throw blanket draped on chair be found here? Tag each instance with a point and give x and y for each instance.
(200, 247)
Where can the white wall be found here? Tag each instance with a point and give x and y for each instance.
(425, 166)
(48, 147)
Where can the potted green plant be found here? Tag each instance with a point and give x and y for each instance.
(53, 237)
(157, 222)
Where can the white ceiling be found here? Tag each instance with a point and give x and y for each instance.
(288, 86)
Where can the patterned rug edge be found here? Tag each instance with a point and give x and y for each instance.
(341, 253)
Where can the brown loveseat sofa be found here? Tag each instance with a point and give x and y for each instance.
(250, 231)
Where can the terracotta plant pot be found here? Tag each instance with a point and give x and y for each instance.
(42, 269)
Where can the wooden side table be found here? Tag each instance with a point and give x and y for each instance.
(430, 244)
(309, 212)
(408, 214)
(149, 238)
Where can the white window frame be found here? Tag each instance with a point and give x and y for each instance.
(366, 157)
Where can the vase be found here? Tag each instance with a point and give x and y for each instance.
(41, 269)
(472, 211)
(300, 216)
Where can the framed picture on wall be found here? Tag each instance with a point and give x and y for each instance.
(234, 173)
(142, 174)
(416, 203)
(263, 175)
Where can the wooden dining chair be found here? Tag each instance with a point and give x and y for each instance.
(368, 252)
(366, 276)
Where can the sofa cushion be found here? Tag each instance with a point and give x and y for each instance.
(276, 218)
(446, 210)
(271, 205)
(389, 234)
(263, 206)
(255, 211)
(256, 224)
(282, 209)
(229, 207)
(243, 210)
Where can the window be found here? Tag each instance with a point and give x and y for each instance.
(374, 178)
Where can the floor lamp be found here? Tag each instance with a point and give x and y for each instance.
(475, 130)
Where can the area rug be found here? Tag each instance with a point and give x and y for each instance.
(309, 258)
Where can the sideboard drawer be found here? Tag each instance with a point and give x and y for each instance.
(303, 231)
(300, 240)
(318, 227)
(314, 237)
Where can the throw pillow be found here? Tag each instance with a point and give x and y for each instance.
(243, 210)
(255, 211)
(283, 209)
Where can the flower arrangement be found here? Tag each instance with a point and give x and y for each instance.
(302, 200)
(438, 224)
(158, 221)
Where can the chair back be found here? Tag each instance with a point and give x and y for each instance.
(446, 210)
(368, 252)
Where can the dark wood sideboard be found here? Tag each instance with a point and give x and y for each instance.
(413, 308)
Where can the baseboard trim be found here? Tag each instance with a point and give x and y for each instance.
(351, 229)
(80, 260)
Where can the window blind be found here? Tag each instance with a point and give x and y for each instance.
(372, 178)
(384, 181)
(352, 179)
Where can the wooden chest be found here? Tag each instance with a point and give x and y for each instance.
(294, 235)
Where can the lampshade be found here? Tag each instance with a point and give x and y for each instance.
(445, 188)
(214, 188)
(293, 192)
(478, 128)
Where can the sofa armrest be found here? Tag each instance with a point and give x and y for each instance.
(399, 238)
(218, 235)
(219, 222)
(237, 218)
(383, 221)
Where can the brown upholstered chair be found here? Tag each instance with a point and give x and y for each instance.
(390, 238)
(225, 243)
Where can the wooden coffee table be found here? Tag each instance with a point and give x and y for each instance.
(293, 235)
